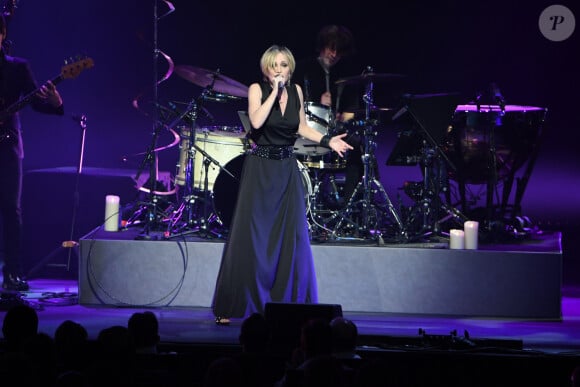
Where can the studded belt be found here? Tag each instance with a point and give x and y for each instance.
(274, 152)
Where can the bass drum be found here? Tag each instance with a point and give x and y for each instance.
(513, 132)
(225, 193)
(222, 143)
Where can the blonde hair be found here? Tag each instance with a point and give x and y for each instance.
(268, 59)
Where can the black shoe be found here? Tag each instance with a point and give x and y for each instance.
(13, 282)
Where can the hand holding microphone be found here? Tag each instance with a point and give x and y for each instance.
(279, 83)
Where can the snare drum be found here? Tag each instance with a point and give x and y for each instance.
(319, 117)
(221, 145)
(330, 160)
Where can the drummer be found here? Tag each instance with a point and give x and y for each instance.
(317, 75)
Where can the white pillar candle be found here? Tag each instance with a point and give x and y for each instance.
(112, 213)
(456, 239)
(471, 228)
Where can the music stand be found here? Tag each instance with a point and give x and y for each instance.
(427, 118)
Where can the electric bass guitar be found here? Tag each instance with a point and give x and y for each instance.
(68, 71)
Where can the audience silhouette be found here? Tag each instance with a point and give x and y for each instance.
(72, 347)
(327, 355)
(260, 367)
(344, 338)
(144, 330)
(114, 354)
(20, 323)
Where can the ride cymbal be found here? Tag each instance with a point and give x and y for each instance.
(204, 78)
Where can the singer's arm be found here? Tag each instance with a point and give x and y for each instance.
(257, 111)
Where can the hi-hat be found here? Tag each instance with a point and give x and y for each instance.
(204, 78)
(369, 77)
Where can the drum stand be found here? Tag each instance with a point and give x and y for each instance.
(370, 223)
(193, 225)
(321, 224)
(364, 202)
(430, 207)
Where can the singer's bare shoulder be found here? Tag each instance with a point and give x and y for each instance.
(255, 87)
(300, 94)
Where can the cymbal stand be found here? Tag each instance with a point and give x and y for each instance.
(188, 198)
(369, 186)
(430, 207)
(321, 225)
(201, 225)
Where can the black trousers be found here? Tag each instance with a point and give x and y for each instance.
(10, 211)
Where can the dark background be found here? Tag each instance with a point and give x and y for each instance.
(453, 46)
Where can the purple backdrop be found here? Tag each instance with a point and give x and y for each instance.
(460, 47)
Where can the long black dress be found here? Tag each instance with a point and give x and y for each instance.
(267, 257)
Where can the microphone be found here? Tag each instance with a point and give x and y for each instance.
(280, 90)
(306, 89)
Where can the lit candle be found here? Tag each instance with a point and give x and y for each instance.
(456, 239)
(112, 213)
(471, 228)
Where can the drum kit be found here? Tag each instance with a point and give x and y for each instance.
(211, 159)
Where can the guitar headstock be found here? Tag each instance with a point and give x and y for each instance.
(72, 70)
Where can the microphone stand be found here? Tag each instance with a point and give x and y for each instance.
(69, 244)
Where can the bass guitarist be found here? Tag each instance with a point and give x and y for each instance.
(16, 81)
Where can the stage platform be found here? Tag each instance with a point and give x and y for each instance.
(521, 279)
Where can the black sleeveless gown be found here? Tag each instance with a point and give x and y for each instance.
(267, 257)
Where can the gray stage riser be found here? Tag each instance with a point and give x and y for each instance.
(360, 278)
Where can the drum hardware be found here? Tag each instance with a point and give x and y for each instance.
(217, 88)
(155, 217)
(369, 223)
(318, 117)
(321, 215)
(426, 118)
(188, 209)
(426, 217)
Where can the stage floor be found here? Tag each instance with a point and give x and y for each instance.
(548, 345)
(56, 300)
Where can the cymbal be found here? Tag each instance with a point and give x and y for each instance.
(369, 77)
(204, 78)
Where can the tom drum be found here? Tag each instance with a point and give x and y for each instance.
(220, 143)
(319, 117)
